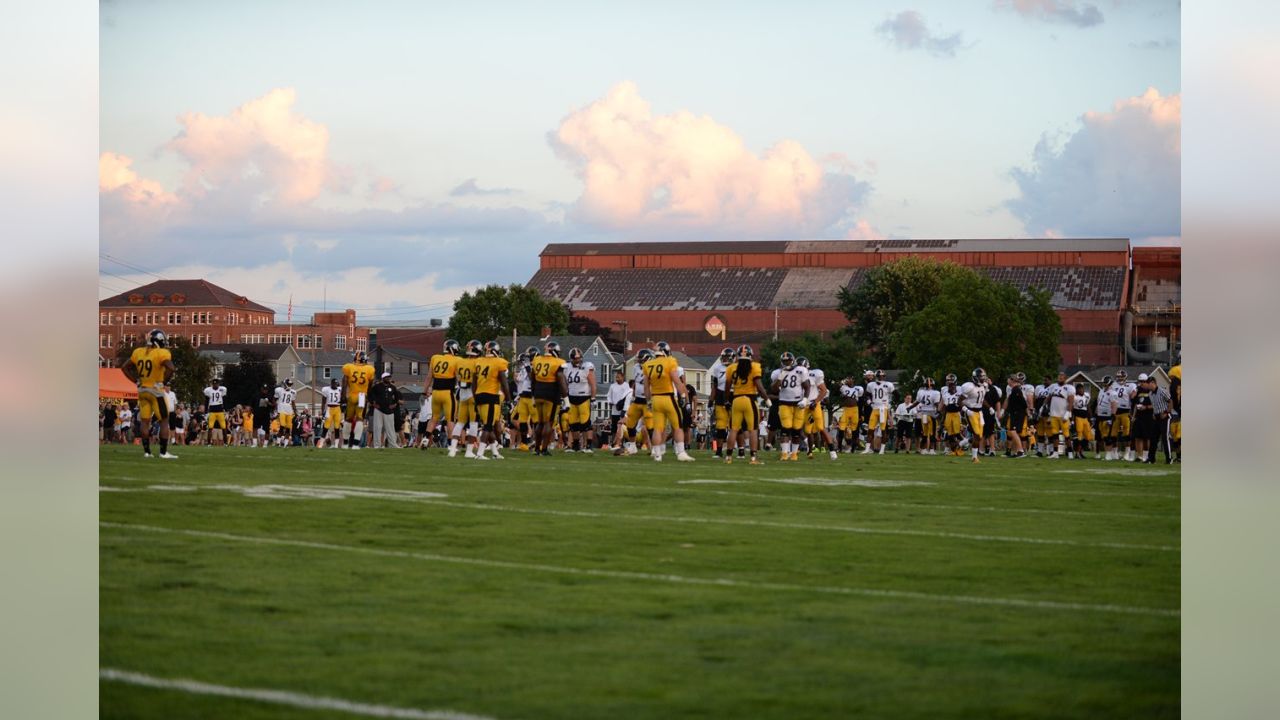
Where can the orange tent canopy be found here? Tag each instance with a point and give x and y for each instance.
(113, 383)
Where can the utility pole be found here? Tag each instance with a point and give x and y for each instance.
(626, 327)
(775, 323)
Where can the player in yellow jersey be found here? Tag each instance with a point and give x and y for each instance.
(1175, 411)
(744, 381)
(151, 366)
(490, 384)
(441, 383)
(464, 425)
(357, 376)
(667, 394)
(549, 386)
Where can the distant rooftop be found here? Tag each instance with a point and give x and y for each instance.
(842, 246)
(182, 293)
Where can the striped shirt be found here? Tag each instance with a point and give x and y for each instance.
(1160, 400)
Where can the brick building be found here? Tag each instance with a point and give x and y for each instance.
(701, 296)
(208, 314)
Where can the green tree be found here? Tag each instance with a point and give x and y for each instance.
(246, 378)
(192, 371)
(493, 311)
(974, 322)
(889, 293)
(838, 355)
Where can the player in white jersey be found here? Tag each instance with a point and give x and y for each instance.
(285, 395)
(1059, 396)
(850, 398)
(639, 415)
(926, 407)
(1104, 415)
(881, 393)
(791, 383)
(1081, 421)
(720, 400)
(580, 374)
(522, 412)
(973, 395)
(332, 414)
(952, 414)
(1042, 416)
(1122, 394)
(815, 423)
(216, 412)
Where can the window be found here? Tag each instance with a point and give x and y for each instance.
(362, 344)
(104, 341)
(197, 339)
(233, 318)
(387, 367)
(153, 318)
(319, 342)
(413, 367)
(174, 318)
(104, 318)
(129, 318)
(130, 339)
(340, 342)
(328, 373)
(251, 339)
(199, 318)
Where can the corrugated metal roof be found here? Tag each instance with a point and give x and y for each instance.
(843, 246)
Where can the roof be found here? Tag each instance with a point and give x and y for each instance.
(272, 351)
(567, 343)
(1095, 375)
(400, 352)
(182, 293)
(688, 362)
(710, 289)
(842, 246)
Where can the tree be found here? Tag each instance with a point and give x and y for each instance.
(837, 355)
(974, 322)
(581, 325)
(493, 311)
(889, 293)
(246, 378)
(192, 371)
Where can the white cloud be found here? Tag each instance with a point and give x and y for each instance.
(1055, 11)
(908, 31)
(684, 172)
(1119, 174)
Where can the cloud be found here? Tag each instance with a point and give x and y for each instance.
(907, 31)
(683, 174)
(1119, 174)
(1054, 11)
(116, 176)
(1165, 44)
(469, 187)
(863, 230)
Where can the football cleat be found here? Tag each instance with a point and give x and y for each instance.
(493, 349)
(788, 360)
(451, 347)
(168, 456)
(157, 338)
(552, 349)
(662, 348)
(474, 348)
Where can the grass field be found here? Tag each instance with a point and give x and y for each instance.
(600, 587)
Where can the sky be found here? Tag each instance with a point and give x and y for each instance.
(389, 156)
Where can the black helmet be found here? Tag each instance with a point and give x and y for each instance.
(552, 348)
(979, 374)
(1106, 380)
(1122, 376)
(361, 357)
(1022, 377)
(726, 354)
(474, 348)
(880, 375)
(530, 353)
(803, 362)
(333, 383)
(787, 359)
(575, 356)
(868, 374)
(745, 351)
(157, 338)
(951, 378)
(928, 382)
(288, 382)
(662, 348)
(451, 347)
(493, 349)
(644, 355)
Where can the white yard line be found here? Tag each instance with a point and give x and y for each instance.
(665, 578)
(282, 697)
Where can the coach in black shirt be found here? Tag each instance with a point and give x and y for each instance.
(386, 400)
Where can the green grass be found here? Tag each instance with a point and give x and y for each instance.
(585, 587)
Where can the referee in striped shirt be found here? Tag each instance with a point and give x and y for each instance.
(1161, 403)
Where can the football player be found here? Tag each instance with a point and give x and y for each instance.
(1104, 419)
(151, 367)
(549, 387)
(284, 396)
(850, 396)
(357, 376)
(815, 423)
(332, 414)
(638, 412)
(580, 377)
(1058, 403)
(926, 407)
(441, 382)
(790, 383)
(522, 412)
(664, 381)
(881, 393)
(720, 399)
(1122, 394)
(991, 414)
(490, 374)
(1018, 400)
(464, 425)
(216, 419)
(952, 414)
(1080, 417)
(745, 384)
(974, 396)
(1175, 411)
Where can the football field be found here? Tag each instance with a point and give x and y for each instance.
(302, 583)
